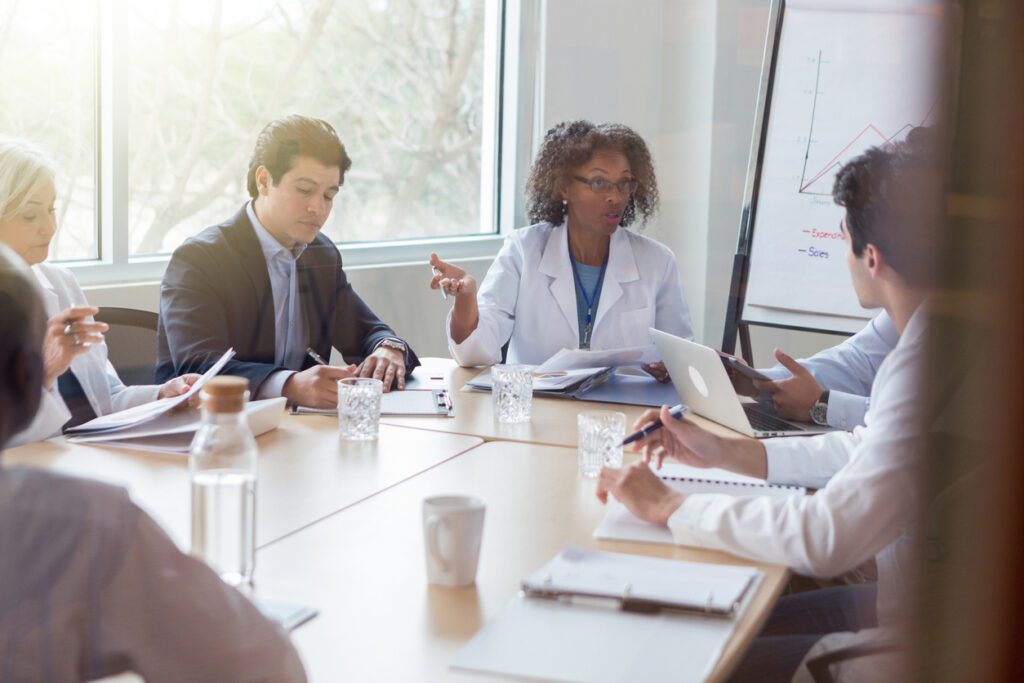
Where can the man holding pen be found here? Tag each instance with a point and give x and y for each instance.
(269, 284)
(869, 480)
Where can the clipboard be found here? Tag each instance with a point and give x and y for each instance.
(425, 402)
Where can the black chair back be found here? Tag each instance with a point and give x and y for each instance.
(131, 343)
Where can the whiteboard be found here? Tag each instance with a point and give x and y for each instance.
(841, 81)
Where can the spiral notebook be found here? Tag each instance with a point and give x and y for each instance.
(620, 524)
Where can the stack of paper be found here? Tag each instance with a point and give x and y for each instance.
(158, 426)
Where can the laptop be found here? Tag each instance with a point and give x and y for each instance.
(703, 384)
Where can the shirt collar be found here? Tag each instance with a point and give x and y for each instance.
(271, 247)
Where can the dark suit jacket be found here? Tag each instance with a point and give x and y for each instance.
(216, 294)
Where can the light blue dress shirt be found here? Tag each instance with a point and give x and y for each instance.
(848, 370)
(291, 335)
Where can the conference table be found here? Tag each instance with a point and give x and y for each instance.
(305, 472)
(339, 525)
(552, 422)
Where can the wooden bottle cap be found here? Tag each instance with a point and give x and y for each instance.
(225, 394)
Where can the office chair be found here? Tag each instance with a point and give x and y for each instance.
(131, 343)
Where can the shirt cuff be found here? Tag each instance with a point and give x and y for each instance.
(846, 411)
(685, 522)
(273, 386)
(786, 465)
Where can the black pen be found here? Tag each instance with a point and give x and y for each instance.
(676, 412)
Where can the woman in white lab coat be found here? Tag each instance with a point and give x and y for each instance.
(79, 381)
(577, 278)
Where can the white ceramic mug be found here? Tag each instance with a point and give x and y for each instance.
(452, 530)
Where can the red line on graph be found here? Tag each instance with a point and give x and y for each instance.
(868, 127)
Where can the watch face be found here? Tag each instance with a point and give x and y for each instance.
(819, 413)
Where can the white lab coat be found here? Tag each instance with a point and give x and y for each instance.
(867, 507)
(529, 298)
(848, 370)
(104, 389)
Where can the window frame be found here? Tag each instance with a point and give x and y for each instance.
(512, 45)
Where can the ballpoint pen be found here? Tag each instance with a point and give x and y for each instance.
(315, 356)
(676, 412)
(436, 271)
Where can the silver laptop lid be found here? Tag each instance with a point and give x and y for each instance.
(701, 380)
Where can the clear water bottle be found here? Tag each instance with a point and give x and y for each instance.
(222, 464)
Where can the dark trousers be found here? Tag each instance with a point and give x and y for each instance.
(798, 622)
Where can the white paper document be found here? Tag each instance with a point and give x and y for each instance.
(575, 359)
(620, 524)
(148, 411)
(173, 432)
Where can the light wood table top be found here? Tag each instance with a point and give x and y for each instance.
(552, 423)
(306, 471)
(363, 568)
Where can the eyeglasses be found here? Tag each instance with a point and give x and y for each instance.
(602, 186)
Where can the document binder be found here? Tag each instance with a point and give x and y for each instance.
(641, 584)
(407, 402)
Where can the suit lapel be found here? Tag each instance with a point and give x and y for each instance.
(554, 263)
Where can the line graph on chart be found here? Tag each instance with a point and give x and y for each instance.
(819, 182)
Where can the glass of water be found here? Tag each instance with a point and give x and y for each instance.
(600, 440)
(359, 408)
(512, 392)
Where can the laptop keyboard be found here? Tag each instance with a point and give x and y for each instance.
(763, 422)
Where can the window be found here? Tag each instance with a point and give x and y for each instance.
(156, 119)
(48, 70)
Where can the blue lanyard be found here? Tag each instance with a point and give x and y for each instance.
(588, 299)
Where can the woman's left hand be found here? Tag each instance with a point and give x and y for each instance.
(178, 386)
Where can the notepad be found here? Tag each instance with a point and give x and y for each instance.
(553, 640)
(620, 524)
(642, 584)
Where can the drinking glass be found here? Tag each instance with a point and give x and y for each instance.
(512, 392)
(600, 440)
(359, 408)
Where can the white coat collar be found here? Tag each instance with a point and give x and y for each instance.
(555, 263)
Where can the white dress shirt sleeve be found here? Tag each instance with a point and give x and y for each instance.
(848, 370)
(846, 411)
(863, 507)
(273, 386)
(496, 300)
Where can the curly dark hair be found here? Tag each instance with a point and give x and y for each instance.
(894, 196)
(572, 143)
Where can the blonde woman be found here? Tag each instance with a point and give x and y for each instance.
(79, 382)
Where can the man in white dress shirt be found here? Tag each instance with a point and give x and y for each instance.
(90, 585)
(832, 386)
(869, 478)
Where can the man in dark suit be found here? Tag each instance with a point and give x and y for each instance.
(267, 283)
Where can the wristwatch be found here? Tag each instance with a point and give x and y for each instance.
(392, 343)
(819, 411)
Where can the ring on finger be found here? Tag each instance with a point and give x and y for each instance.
(68, 330)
